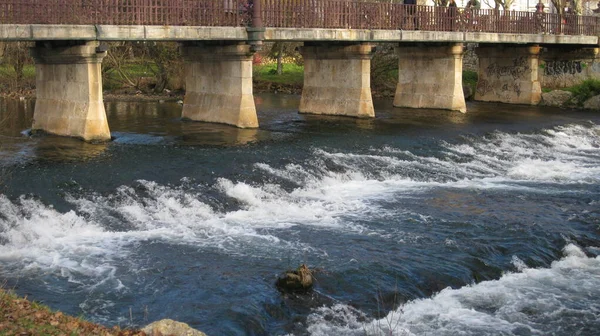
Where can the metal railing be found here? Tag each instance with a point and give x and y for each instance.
(127, 12)
(349, 14)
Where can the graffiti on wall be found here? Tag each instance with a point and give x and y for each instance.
(504, 78)
(561, 68)
(515, 87)
(518, 69)
(483, 87)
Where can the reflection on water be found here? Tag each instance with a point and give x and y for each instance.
(153, 122)
(15, 116)
(195, 133)
(16, 145)
(134, 123)
(55, 148)
(268, 101)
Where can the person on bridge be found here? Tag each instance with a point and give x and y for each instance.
(539, 8)
(539, 17)
(411, 17)
(469, 15)
(452, 11)
(473, 4)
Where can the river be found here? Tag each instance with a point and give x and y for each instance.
(417, 222)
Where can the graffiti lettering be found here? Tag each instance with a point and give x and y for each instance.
(517, 70)
(520, 62)
(559, 68)
(517, 89)
(483, 87)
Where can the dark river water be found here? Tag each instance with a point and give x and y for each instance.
(418, 222)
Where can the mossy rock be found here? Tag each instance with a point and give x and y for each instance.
(299, 280)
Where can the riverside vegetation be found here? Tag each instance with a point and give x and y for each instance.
(133, 70)
(584, 95)
(584, 91)
(141, 70)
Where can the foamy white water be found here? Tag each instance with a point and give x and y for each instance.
(87, 244)
(560, 299)
(565, 154)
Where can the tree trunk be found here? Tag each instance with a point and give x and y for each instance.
(19, 62)
(280, 59)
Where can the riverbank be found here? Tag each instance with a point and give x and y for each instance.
(23, 317)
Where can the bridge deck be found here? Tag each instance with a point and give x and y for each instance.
(35, 32)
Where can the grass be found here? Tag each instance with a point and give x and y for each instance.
(292, 73)
(112, 79)
(9, 71)
(140, 70)
(133, 69)
(23, 317)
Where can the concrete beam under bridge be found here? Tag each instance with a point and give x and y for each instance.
(69, 90)
(430, 76)
(337, 80)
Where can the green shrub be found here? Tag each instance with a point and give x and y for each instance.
(584, 91)
(470, 77)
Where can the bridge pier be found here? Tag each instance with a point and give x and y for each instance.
(430, 76)
(337, 79)
(508, 74)
(219, 84)
(69, 90)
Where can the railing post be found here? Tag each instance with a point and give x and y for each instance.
(256, 32)
(257, 14)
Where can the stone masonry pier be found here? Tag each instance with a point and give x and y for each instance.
(430, 76)
(219, 84)
(337, 80)
(509, 74)
(69, 90)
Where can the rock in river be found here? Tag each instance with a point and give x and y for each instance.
(299, 280)
(171, 328)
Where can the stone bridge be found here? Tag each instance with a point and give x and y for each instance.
(219, 37)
